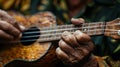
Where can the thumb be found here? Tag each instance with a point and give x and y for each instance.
(21, 27)
(77, 21)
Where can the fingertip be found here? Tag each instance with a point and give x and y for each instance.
(59, 51)
(61, 54)
(78, 32)
(65, 34)
(77, 21)
(81, 37)
(22, 28)
(82, 20)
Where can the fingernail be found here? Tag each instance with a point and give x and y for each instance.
(78, 32)
(66, 33)
(74, 19)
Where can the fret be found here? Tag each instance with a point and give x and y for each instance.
(96, 27)
(55, 37)
(88, 32)
(95, 30)
(84, 27)
(103, 27)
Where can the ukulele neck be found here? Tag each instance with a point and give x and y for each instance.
(54, 33)
(111, 29)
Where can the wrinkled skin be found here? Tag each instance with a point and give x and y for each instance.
(9, 28)
(74, 47)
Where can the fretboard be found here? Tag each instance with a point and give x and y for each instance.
(54, 32)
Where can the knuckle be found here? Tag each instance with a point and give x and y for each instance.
(79, 53)
(15, 32)
(1, 32)
(90, 46)
(66, 48)
(6, 17)
(4, 25)
(85, 52)
(4, 35)
(9, 28)
(81, 37)
(73, 60)
(68, 38)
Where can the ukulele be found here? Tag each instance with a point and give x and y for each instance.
(35, 48)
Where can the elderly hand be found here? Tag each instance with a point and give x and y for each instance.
(9, 29)
(73, 48)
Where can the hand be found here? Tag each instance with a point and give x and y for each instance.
(9, 28)
(73, 48)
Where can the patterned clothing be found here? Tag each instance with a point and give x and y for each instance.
(99, 10)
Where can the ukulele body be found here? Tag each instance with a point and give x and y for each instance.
(33, 55)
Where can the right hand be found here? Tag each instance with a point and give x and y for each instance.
(9, 28)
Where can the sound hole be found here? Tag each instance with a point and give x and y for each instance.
(30, 36)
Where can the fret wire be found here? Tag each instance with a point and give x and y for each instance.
(88, 32)
(95, 29)
(82, 27)
(103, 27)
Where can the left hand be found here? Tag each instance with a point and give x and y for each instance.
(74, 47)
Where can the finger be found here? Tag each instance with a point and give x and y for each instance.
(18, 26)
(62, 55)
(84, 39)
(70, 39)
(78, 21)
(89, 46)
(81, 52)
(6, 17)
(22, 28)
(81, 37)
(5, 36)
(66, 48)
(67, 59)
(73, 53)
(10, 29)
